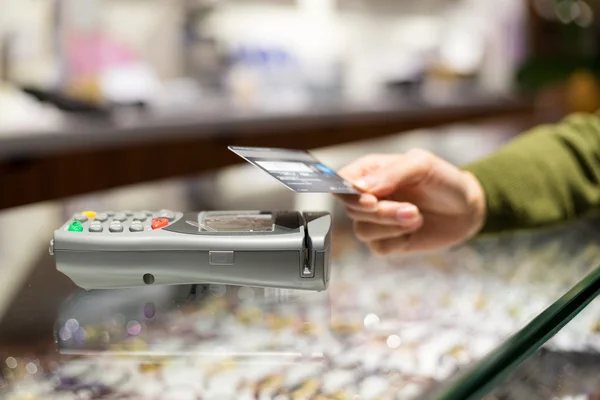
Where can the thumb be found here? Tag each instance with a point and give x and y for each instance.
(410, 169)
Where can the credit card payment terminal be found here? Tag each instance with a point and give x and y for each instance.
(282, 249)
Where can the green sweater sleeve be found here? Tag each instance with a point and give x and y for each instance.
(548, 175)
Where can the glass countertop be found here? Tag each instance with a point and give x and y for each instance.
(566, 367)
(447, 325)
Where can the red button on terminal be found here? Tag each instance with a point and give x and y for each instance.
(158, 223)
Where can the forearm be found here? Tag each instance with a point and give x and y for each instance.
(548, 175)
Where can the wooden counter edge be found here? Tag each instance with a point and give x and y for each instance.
(32, 179)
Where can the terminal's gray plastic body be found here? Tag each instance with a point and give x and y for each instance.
(181, 255)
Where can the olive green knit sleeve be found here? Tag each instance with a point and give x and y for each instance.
(548, 175)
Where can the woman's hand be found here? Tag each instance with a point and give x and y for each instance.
(412, 202)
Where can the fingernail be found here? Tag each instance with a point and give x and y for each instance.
(366, 183)
(368, 202)
(407, 213)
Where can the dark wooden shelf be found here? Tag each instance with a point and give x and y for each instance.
(83, 154)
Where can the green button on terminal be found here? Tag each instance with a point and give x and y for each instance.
(76, 227)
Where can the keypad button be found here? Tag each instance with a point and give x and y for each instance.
(148, 213)
(81, 217)
(96, 228)
(102, 217)
(136, 228)
(116, 227)
(120, 217)
(76, 227)
(158, 223)
(129, 213)
(110, 213)
(139, 216)
(170, 215)
(89, 214)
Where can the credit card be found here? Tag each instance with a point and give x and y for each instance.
(298, 170)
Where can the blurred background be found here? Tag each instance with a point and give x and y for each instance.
(130, 104)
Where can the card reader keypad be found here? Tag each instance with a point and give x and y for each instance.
(120, 222)
(102, 217)
(140, 216)
(96, 227)
(81, 218)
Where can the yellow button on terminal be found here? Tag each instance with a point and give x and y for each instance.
(89, 214)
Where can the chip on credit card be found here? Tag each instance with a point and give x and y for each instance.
(298, 170)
